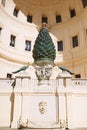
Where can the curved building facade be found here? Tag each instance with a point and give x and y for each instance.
(62, 100)
(66, 21)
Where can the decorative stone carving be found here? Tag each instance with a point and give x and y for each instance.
(42, 107)
(44, 54)
(43, 72)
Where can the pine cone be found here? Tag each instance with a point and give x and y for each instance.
(44, 48)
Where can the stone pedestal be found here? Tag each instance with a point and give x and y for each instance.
(43, 106)
(40, 106)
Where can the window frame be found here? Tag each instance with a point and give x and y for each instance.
(77, 75)
(58, 18)
(84, 3)
(9, 75)
(0, 30)
(3, 2)
(75, 44)
(72, 13)
(44, 19)
(29, 18)
(61, 48)
(12, 40)
(15, 12)
(28, 45)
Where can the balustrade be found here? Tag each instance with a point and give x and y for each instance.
(6, 82)
(33, 83)
(79, 82)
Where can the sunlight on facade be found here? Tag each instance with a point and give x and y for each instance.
(49, 93)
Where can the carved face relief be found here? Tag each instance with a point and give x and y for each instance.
(42, 107)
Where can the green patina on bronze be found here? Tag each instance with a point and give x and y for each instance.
(44, 49)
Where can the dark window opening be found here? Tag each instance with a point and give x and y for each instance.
(58, 19)
(3, 2)
(84, 2)
(0, 30)
(77, 76)
(12, 40)
(72, 13)
(29, 18)
(75, 41)
(60, 45)
(15, 13)
(44, 19)
(86, 32)
(28, 45)
(9, 75)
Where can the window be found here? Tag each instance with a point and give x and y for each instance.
(75, 41)
(72, 13)
(29, 18)
(0, 30)
(58, 18)
(86, 31)
(12, 40)
(27, 45)
(44, 19)
(77, 76)
(84, 2)
(15, 13)
(9, 75)
(60, 45)
(3, 2)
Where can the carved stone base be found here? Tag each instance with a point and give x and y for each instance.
(43, 73)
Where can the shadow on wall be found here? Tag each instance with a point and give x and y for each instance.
(12, 107)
